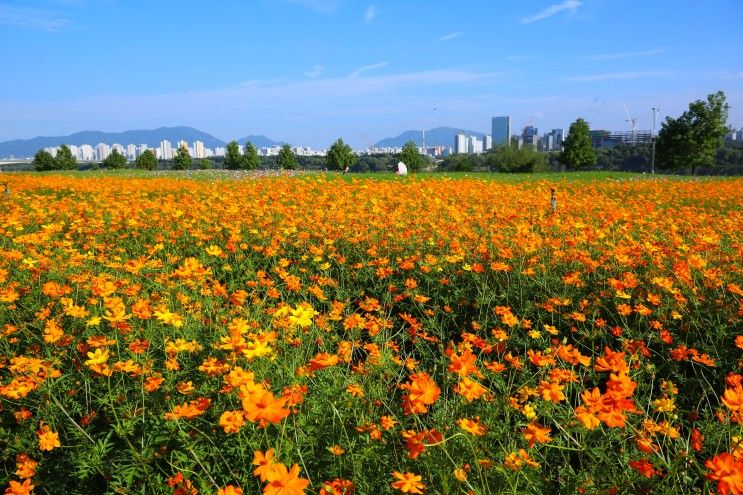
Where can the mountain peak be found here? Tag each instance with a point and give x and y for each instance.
(438, 136)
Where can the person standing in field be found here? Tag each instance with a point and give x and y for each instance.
(402, 169)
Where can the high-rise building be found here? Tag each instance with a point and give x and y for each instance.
(183, 144)
(86, 153)
(119, 148)
(501, 130)
(548, 142)
(475, 145)
(102, 150)
(166, 150)
(131, 151)
(487, 142)
(558, 136)
(739, 135)
(141, 149)
(198, 149)
(460, 143)
(529, 134)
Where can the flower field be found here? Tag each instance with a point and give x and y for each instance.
(322, 335)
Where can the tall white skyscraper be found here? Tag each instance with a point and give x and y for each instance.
(166, 150)
(501, 131)
(198, 149)
(460, 144)
(487, 142)
(183, 144)
(131, 151)
(558, 136)
(86, 153)
(102, 150)
(475, 145)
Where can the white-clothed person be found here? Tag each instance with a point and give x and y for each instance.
(402, 169)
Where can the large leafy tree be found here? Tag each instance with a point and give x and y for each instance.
(146, 161)
(182, 159)
(64, 159)
(114, 160)
(577, 150)
(233, 160)
(410, 157)
(511, 159)
(691, 140)
(286, 158)
(339, 156)
(251, 160)
(43, 160)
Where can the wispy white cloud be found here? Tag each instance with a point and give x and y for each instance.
(371, 13)
(315, 72)
(571, 5)
(615, 76)
(450, 36)
(621, 55)
(319, 5)
(23, 18)
(367, 68)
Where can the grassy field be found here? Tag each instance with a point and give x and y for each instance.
(222, 332)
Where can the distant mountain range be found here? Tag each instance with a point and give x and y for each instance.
(21, 148)
(440, 136)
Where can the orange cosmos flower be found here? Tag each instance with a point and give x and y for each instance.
(473, 427)
(285, 482)
(230, 490)
(733, 398)
(26, 467)
(728, 472)
(535, 432)
(323, 360)
(355, 389)
(264, 463)
(470, 389)
(408, 482)
(16, 488)
(48, 440)
(232, 421)
(263, 406)
(422, 392)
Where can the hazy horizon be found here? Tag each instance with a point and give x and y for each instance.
(310, 71)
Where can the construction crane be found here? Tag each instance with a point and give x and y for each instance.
(592, 116)
(632, 124)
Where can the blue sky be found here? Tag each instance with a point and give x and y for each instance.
(310, 71)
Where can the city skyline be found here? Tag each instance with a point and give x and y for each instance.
(359, 70)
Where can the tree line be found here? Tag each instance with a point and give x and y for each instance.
(688, 143)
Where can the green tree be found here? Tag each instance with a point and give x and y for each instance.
(460, 162)
(182, 159)
(286, 158)
(410, 157)
(146, 161)
(577, 151)
(205, 164)
(114, 160)
(43, 160)
(513, 160)
(692, 139)
(340, 156)
(233, 160)
(64, 159)
(251, 160)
